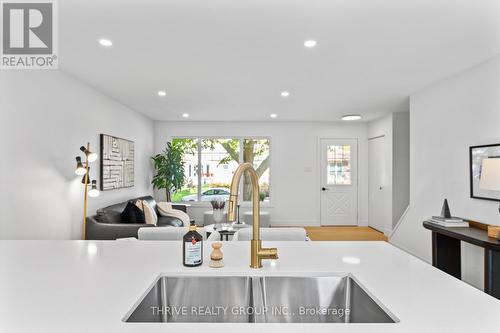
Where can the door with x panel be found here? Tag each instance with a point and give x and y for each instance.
(339, 181)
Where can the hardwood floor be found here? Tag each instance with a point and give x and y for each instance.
(344, 234)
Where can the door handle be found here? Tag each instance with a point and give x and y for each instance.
(324, 189)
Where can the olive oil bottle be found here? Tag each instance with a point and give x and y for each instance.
(192, 247)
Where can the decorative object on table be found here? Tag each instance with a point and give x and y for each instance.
(117, 163)
(494, 231)
(477, 155)
(453, 222)
(445, 211)
(83, 169)
(169, 169)
(218, 213)
(446, 220)
(216, 257)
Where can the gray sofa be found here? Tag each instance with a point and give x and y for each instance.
(107, 224)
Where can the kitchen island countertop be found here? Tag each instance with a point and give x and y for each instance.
(89, 286)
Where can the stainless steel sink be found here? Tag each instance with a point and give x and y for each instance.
(195, 299)
(259, 299)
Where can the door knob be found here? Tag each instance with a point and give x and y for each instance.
(323, 189)
(380, 188)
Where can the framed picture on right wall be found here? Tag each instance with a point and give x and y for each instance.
(477, 155)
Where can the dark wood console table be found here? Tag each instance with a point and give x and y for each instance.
(446, 253)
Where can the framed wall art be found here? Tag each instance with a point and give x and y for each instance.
(117, 163)
(477, 155)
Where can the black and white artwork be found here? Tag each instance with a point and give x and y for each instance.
(477, 155)
(117, 163)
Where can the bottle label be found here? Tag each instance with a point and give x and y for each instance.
(192, 253)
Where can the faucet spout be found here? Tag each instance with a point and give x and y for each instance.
(257, 252)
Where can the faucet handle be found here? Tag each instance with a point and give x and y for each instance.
(268, 253)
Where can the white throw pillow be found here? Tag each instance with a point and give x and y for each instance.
(149, 213)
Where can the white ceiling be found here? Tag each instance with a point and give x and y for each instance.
(229, 60)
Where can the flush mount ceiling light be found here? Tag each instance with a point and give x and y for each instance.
(285, 94)
(310, 43)
(273, 115)
(162, 93)
(351, 117)
(185, 115)
(105, 42)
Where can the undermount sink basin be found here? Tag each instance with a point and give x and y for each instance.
(258, 299)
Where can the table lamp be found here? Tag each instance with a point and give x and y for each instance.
(490, 175)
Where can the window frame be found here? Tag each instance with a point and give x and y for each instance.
(240, 138)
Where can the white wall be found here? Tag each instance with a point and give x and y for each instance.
(295, 187)
(400, 165)
(446, 118)
(45, 117)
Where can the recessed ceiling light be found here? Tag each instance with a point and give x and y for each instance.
(273, 115)
(185, 115)
(310, 43)
(162, 93)
(285, 94)
(105, 42)
(351, 117)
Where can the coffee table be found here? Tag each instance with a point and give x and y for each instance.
(225, 232)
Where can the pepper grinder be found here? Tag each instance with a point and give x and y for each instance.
(216, 256)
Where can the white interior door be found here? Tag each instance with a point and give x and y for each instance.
(339, 181)
(377, 192)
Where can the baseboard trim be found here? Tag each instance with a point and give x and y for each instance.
(294, 223)
(309, 223)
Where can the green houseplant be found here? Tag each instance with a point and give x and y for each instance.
(169, 169)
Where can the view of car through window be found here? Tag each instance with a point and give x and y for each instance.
(209, 165)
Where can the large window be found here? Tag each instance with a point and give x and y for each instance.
(210, 164)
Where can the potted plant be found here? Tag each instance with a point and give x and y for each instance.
(169, 169)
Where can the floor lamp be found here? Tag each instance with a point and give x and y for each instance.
(83, 169)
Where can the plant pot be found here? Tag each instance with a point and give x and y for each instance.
(218, 217)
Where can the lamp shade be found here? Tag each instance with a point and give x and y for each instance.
(490, 174)
(94, 192)
(91, 156)
(80, 169)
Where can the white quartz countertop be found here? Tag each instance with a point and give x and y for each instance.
(89, 286)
